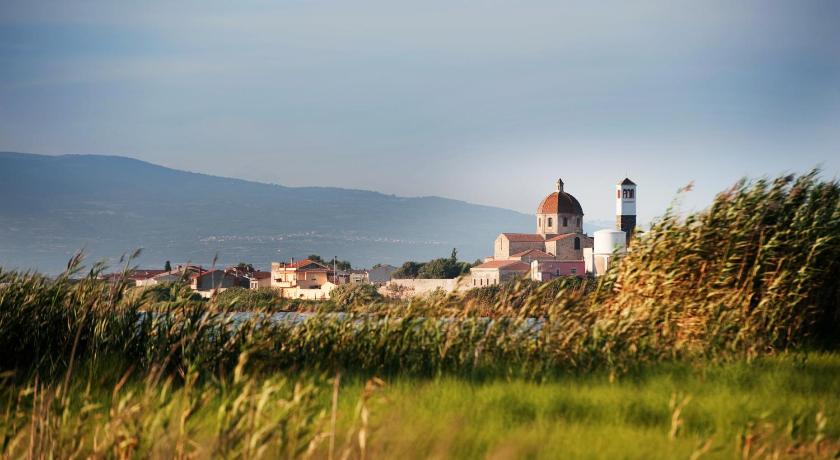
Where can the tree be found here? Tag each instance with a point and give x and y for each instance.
(443, 268)
(167, 266)
(243, 267)
(339, 264)
(408, 270)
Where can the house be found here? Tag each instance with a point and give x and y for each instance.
(180, 273)
(547, 270)
(381, 273)
(259, 279)
(303, 279)
(209, 282)
(498, 271)
(136, 277)
(358, 276)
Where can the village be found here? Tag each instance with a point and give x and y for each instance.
(558, 248)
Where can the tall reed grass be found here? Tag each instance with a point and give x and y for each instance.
(754, 273)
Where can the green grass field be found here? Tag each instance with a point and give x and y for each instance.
(774, 403)
(784, 407)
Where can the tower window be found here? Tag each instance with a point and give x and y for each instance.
(628, 193)
(550, 222)
(565, 221)
(577, 243)
(539, 222)
(578, 221)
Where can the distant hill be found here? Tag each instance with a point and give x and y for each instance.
(110, 205)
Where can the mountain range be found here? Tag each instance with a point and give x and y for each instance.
(109, 205)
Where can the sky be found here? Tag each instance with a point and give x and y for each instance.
(488, 102)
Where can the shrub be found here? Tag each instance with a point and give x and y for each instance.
(355, 294)
(240, 298)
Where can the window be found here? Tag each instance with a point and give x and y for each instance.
(578, 221)
(539, 222)
(628, 193)
(577, 243)
(565, 221)
(574, 271)
(550, 222)
(632, 192)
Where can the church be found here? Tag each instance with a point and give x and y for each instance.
(559, 232)
(560, 247)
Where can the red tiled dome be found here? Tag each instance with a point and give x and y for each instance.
(559, 203)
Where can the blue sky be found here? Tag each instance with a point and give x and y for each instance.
(483, 101)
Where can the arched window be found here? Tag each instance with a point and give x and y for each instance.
(578, 221)
(577, 243)
(549, 222)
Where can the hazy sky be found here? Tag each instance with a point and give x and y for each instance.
(483, 101)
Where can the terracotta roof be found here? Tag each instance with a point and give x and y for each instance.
(506, 264)
(303, 263)
(260, 275)
(532, 253)
(532, 237)
(627, 181)
(559, 202)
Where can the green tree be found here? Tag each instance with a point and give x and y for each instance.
(245, 267)
(339, 264)
(445, 268)
(408, 270)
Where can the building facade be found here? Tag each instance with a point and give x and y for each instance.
(559, 219)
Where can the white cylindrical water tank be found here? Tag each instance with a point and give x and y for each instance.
(607, 241)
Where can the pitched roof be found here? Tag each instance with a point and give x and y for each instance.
(301, 264)
(506, 264)
(532, 253)
(530, 237)
(627, 181)
(259, 275)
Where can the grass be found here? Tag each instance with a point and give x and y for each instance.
(589, 416)
(786, 406)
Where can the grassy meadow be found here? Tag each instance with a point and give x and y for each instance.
(715, 337)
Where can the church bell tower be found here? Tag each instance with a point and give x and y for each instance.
(625, 207)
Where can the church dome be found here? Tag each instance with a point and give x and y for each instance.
(559, 202)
